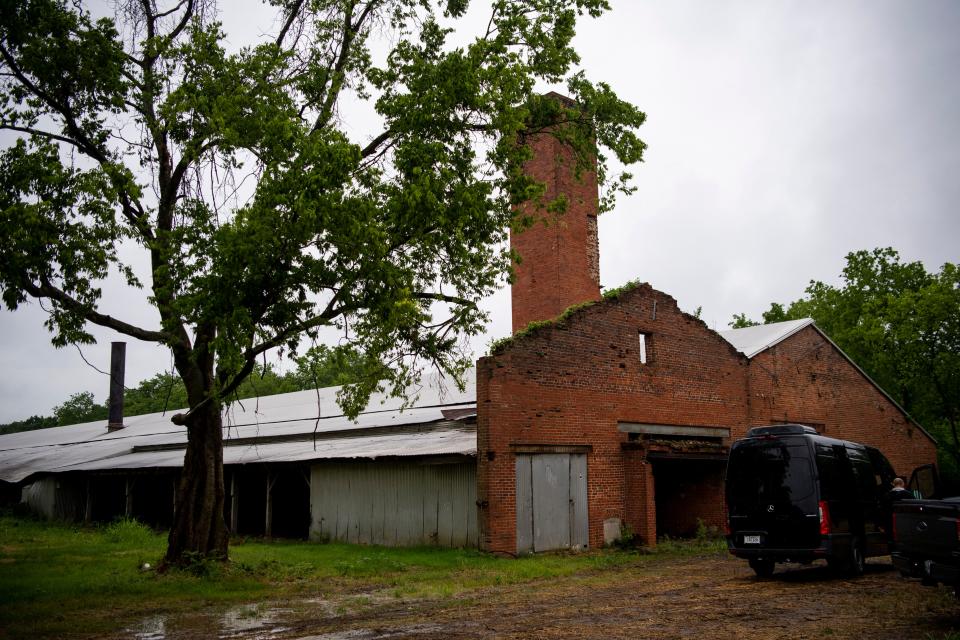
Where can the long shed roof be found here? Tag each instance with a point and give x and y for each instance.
(299, 426)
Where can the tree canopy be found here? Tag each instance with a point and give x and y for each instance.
(901, 324)
(263, 216)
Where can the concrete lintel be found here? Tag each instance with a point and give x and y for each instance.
(673, 430)
(550, 448)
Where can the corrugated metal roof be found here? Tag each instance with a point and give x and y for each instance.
(753, 340)
(276, 428)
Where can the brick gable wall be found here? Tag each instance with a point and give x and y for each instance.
(806, 379)
(573, 382)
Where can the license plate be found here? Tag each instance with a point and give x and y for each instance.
(751, 539)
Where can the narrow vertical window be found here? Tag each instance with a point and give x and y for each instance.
(643, 348)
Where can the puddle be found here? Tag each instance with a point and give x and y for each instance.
(262, 622)
(152, 628)
(251, 622)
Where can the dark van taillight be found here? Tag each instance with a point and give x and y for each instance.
(824, 518)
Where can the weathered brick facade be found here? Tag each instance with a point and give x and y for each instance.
(655, 433)
(570, 384)
(573, 383)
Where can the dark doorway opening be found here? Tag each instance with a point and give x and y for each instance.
(289, 511)
(153, 495)
(250, 485)
(291, 502)
(689, 495)
(108, 497)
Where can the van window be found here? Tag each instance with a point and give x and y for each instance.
(831, 473)
(768, 472)
(867, 480)
(882, 466)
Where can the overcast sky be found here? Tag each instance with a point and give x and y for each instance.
(782, 135)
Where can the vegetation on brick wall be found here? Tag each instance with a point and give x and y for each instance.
(496, 347)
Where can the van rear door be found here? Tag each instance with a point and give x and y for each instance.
(772, 494)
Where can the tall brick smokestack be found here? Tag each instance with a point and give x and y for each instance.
(560, 257)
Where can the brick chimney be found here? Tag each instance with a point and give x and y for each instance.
(560, 255)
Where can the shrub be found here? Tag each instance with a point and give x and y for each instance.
(128, 531)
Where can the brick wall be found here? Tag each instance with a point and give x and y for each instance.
(560, 259)
(806, 379)
(572, 382)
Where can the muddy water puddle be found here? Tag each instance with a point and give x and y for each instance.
(712, 597)
(250, 622)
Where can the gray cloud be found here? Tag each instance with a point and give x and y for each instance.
(782, 136)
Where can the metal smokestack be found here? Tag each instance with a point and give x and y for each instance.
(118, 356)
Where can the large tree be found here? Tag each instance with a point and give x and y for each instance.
(900, 323)
(264, 216)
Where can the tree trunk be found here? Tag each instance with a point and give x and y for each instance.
(199, 528)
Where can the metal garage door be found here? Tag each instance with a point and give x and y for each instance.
(551, 502)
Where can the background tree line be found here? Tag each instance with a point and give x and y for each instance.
(319, 367)
(901, 324)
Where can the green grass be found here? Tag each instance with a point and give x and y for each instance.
(58, 580)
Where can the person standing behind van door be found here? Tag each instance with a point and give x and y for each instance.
(896, 494)
(899, 492)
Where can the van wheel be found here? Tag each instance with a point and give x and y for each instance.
(855, 562)
(763, 568)
(850, 564)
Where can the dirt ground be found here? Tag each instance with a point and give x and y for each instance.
(714, 597)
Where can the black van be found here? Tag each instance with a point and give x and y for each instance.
(795, 496)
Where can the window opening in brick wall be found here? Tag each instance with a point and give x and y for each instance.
(644, 348)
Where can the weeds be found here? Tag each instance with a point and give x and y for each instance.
(128, 531)
(378, 564)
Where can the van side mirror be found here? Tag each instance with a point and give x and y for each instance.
(924, 482)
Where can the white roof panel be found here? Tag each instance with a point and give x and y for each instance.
(753, 340)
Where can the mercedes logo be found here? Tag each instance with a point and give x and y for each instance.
(769, 508)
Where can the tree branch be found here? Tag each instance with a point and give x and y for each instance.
(440, 297)
(46, 290)
(374, 144)
(132, 208)
(294, 12)
(42, 134)
(350, 31)
(174, 9)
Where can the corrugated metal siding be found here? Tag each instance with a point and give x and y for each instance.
(53, 499)
(395, 503)
(41, 496)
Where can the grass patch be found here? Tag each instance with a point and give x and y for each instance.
(58, 580)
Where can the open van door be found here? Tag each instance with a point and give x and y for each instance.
(924, 482)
